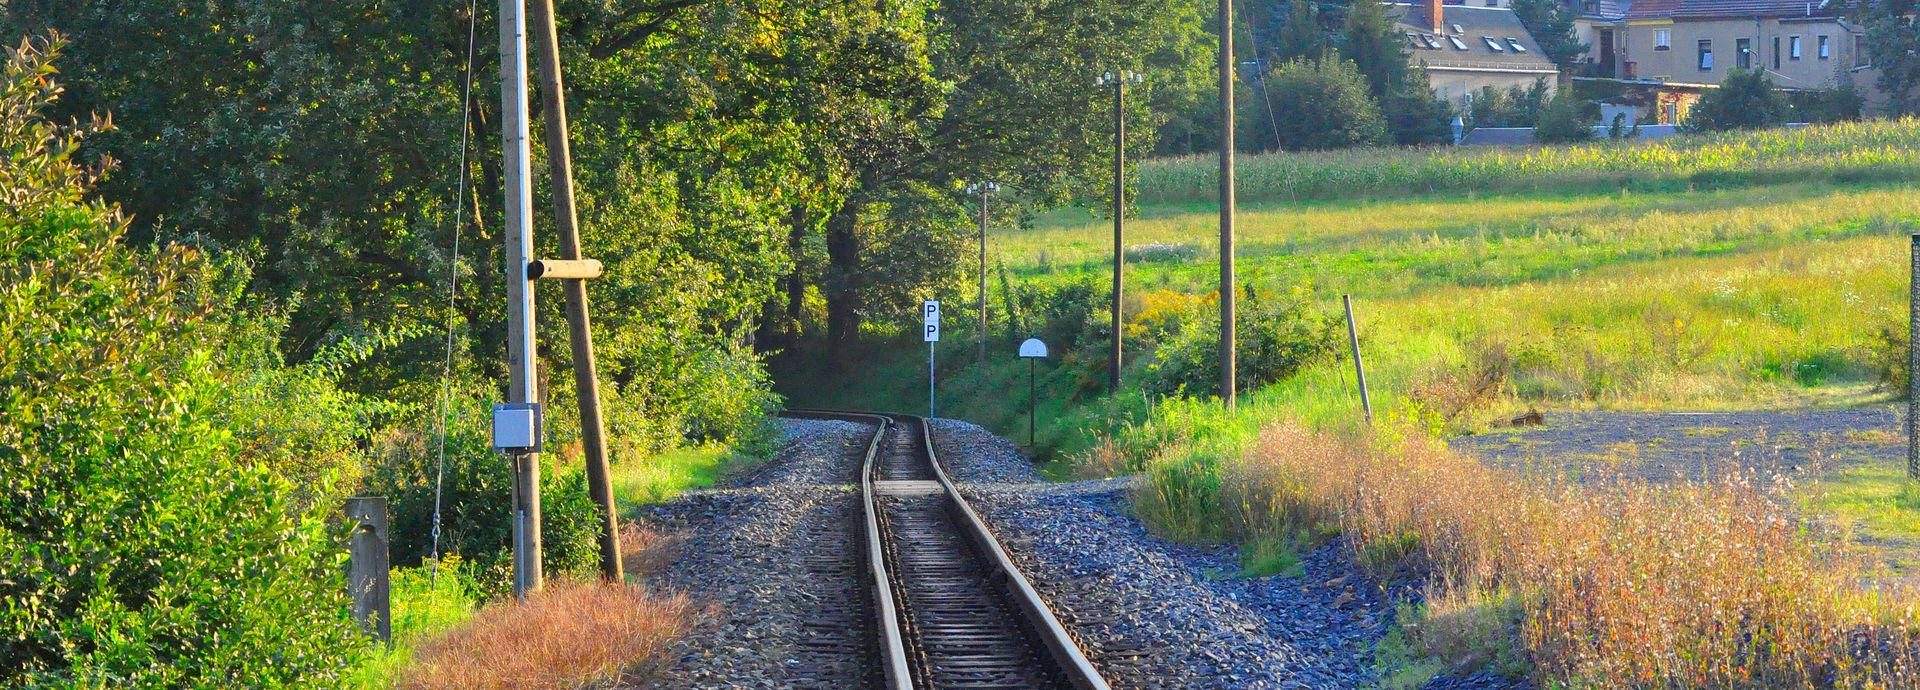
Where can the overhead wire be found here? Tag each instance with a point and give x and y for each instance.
(453, 287)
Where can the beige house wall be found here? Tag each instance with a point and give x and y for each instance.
(1453, 85)
(1681, 63)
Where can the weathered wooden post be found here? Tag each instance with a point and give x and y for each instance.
(367, 565)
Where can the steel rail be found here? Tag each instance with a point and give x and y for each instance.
(1071, 662)
(893, 656)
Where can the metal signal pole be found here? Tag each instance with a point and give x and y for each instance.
(519, 252)
(1226, 205)
(586, 379)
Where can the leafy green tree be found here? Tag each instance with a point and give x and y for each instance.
(1513, 107)
(1021, 110)
(154, 530)
(1746, 99)
(1402, 89)
(1324, 105)
(1301, 35)
(1566, 119)
(1550, 22)
(1892, 31)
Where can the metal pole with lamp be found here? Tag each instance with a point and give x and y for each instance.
(1033, 351)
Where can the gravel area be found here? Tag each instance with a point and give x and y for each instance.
(774, 554)
(1692, 446)
(1156, 614)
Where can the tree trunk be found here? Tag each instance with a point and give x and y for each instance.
(843, 283)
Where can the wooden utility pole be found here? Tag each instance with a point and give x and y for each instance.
(1226, 204)
(586, 380)
(367, 566)
(518, 236)
(1913, 363)
(1119, 222)
(986, 190)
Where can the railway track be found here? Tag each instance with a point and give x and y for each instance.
(950, 609)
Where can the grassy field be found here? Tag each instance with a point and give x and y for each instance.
(1739, 271)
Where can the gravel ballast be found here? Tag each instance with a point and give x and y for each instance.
(769, 553)
(774, 555)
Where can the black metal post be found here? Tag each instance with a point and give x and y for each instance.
(1033, 401)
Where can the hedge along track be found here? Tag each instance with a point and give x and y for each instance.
(951, 610)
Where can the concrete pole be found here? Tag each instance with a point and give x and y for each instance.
(518, 236)
(1119, 223)
(586, 378)
(1226, 205)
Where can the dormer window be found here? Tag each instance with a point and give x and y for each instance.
(1514, 43)
(1495, 45)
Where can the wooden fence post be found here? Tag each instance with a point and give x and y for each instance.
(367, 565)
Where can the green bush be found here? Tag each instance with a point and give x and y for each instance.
(1566, 119)
(476, 498)
(148, 537)
(1275, 337)
(1318, 104)
(1746, 99)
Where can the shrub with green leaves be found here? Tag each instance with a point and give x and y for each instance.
(1275, 337)
(148, 537)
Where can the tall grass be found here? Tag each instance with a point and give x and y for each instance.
(1851, 152)
(1603, 585)
(567, 636)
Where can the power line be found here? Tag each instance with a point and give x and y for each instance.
(453, 285)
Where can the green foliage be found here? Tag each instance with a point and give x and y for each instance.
(1566, 120)
(1550, 22)
(1275, 337)
(1892, 30)
(1840, 102)
(476, 499)
(159, 528)
(1323, 104)
(1514, 107)
(1746, 99)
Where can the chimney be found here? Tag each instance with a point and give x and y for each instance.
(1435, 15)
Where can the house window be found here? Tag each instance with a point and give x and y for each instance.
(1743, 53)
(1706, 56)
(1514, 43)
(1793, 47)
(1457, 43)
(1860, 51)
(1776, 52)
(1662, 39)
(1826, 48)
(1495, 45)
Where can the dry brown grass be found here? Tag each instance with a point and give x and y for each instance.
(1613, 585)
(571, 635)
(644, 551)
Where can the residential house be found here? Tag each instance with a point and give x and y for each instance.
(1468, 47)
(1683, 47)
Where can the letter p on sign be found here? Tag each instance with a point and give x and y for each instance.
(930, 310)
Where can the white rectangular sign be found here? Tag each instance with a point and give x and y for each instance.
(931, 313)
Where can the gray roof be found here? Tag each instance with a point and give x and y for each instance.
(1724, 9)
(1477, 25)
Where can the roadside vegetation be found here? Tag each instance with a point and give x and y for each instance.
(1672, 280)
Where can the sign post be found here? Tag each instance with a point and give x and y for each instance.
(930, 314)
(1033, 351)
